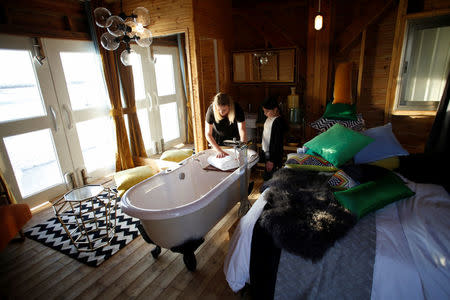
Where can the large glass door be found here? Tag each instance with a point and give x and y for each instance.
(84, 105)
(34, 153)
(54, 118)
(159, 98)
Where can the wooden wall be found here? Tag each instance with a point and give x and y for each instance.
(213, 36)
(319, 67)
(246, 25)
(44, 18)
(411, 130)
(377, 58)
(171, 17)
(265, 25)
(201, 21)
(259, 24)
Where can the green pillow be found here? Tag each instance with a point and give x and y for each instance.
(338, 144)
(373, 195)
(340, 111)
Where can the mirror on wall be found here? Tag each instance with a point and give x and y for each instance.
(273, 65)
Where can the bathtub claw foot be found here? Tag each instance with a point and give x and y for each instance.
(188, 249)
(144, 234)
(190, 261)
(155, 252)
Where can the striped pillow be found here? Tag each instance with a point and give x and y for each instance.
(341, 181)
(323, 124)
(308, 162)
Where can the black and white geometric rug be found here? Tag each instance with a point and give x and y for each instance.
(52, 234)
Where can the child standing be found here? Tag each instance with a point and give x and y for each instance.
(272, 139)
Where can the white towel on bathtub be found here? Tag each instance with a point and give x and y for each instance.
(224, 163)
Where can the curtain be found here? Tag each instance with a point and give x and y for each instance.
(188, 112)
(109, 61)
(126, 78)
(4, 189)
(438, 140)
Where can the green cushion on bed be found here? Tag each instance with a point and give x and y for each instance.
(338, 144)
(340, 111)
(373, 195)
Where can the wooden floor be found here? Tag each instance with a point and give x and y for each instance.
(30, 270)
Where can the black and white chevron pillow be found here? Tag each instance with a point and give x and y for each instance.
(323, 124)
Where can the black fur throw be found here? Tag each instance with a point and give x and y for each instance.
(301, 213)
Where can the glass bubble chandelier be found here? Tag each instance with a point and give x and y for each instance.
(263, 57)
(125, 29)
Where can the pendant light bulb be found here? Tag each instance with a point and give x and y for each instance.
(318, 21)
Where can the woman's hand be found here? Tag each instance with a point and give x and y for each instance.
(212, 141)
(269, 166)
(221, 154)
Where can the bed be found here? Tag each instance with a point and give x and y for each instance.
(401, 251)
(385, 235)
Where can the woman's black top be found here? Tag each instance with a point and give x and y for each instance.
(224, 130)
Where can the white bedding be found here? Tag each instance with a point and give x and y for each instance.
(412, 259)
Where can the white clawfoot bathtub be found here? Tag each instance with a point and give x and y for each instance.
(184, 203)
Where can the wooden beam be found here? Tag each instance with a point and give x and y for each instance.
(44, 18)
(395, 58)
(38, 32)
(427, 14)
(352, 32)
(361, 64)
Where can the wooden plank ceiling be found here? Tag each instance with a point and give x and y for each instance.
(44, 18)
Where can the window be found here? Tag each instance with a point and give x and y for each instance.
(54, 118)
(425, 65)
(159, 98)
(20, 96)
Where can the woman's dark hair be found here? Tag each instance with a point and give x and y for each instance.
(270, 103)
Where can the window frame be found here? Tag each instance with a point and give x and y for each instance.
(412, 23)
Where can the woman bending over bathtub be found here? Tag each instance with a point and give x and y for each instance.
(225, 120)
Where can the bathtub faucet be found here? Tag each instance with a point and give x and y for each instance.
(240, 150)
(237, 145)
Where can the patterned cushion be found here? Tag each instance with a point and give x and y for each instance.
(323, 124)
(341, 181)
(308, 162)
